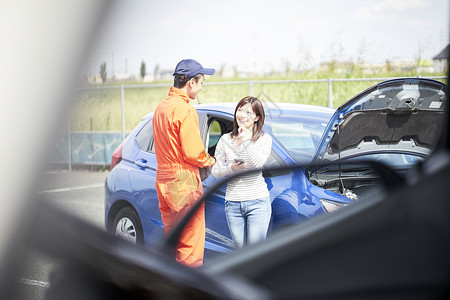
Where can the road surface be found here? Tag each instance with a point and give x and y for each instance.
(79, 192)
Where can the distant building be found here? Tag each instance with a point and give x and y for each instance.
(440, 61)
(227, 72)
(162, 74)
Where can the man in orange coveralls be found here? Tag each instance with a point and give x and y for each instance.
(179, 154)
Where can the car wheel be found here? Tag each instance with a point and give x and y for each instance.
(127, 226)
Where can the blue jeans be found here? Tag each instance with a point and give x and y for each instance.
(249, 220)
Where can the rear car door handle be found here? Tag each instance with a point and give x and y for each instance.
(142, 163)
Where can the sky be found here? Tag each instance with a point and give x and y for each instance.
(260, 36)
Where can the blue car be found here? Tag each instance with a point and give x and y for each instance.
(394, 122)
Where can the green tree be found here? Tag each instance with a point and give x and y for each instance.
(389, 66)
(103, 72)
(143, 69)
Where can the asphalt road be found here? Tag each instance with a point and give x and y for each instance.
(78, 192)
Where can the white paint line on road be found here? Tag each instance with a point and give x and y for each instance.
(73, 188)
(35, 282)
(54, 172)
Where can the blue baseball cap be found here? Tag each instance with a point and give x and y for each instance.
(191, 67)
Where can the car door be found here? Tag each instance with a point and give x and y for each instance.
(142, 176)
(212, 126)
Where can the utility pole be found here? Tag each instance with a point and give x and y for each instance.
(113, 73)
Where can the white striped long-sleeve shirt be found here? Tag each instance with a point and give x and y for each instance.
(255, 154)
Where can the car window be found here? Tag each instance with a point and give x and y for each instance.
(215, 132)
(274, 161)
(217, 128)
(145, 137)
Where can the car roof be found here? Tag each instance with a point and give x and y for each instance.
(272, 108)
(269, 107)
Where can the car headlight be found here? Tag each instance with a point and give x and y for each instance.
(331, 206)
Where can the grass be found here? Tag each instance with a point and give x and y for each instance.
(100, 109)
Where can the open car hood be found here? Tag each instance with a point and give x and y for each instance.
(401, 115)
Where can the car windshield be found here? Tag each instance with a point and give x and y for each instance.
(298, 134)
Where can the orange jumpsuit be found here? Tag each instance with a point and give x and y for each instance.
(179, 153)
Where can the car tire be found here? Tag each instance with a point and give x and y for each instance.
(127, 226)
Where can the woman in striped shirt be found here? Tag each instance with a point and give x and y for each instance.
(247, 204)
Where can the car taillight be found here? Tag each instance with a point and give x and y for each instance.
(116, 156)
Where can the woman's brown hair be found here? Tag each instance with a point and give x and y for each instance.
(258, 108)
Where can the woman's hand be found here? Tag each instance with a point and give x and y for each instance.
(245, 134)
(237, 166)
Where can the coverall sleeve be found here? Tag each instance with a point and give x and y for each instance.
(192, 147)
